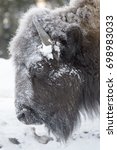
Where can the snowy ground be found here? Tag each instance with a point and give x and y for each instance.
(16, 136)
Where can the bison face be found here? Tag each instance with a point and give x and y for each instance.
(60, 85)
(55, 83)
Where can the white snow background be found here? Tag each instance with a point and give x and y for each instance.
(86, 137)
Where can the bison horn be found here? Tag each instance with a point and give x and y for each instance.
(43, 35)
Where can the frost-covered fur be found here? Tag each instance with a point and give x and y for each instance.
(54, 91)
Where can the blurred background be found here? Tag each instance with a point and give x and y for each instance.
(11, 11)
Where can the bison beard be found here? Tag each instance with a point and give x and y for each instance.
(55, 91)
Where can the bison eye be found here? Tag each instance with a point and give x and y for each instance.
(36, 69)
(40, 69)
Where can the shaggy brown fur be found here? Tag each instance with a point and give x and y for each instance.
(55, 91)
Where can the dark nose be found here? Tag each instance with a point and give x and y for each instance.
(28, 116)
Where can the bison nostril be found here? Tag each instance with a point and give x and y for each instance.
(28, 116)
(23, 115)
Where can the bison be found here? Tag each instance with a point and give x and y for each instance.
(56, 54)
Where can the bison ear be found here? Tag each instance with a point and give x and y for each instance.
(74, 35)
(72, 47)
